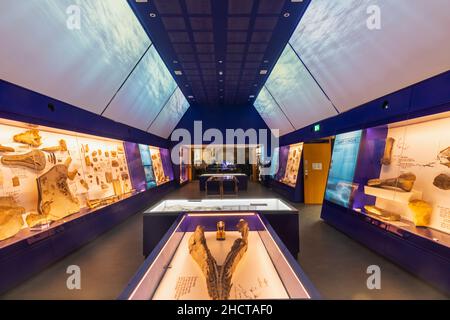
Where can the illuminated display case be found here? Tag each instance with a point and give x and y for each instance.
(282, 216)
(48, 176)
(184, 167)
(258, 264)
(162, 165)
(397, 178)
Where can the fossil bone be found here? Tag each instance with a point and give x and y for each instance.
(404, 182)
(421, 212)
(56, 201)
(30, 137)
(6, 149)
(35, 219)
(387, 156)
(444, 157)
(11, 220)
(382, 214)
(61, 147)
(218, 278)
(442, 181)
(34, 159)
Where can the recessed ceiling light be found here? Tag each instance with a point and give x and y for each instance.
(296, 0)
(186, 85)
(255, 85)
(266, 61)
(251, 96)
(178, 72)
(220, 61)
(190, 97)
(175, 61)
(263, 71)
(220, 73)
(141, 1)
(286, 14)
(152, 14)
(220, 80)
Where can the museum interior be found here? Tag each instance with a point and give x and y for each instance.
(233, 149)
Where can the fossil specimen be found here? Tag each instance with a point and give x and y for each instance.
(404, 182)
(382, 214)
(61, 147)
(442, 181)
(34, 159)
(444, 157)
(11, 220)
(6, 149)
(386, 160)
(35, 219)
(218, 278)
(421, 211)
(95, 203)
(56, 201)
(30, 137)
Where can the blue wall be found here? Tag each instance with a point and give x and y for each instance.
(222, 118)
(17, 103)
(423, 98)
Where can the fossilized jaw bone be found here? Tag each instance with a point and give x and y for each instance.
(34, 159)
(10, 217)
(233, 258)
(30, 137)
(200, 253)
(386, 160)
(55, 198)
(218, 278)
(404, 182)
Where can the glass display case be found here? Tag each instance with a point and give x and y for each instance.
(289, 159)
(184, 164)
(225, 205)
(398, 174)
(220, 256)
(162, 165)
(51, 176)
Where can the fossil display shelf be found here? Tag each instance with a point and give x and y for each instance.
(393, 195)
(265, 271)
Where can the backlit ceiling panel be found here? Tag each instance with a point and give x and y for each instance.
(271, 113)
(296, 92)
(170, 115)
(144, 94)
(82, 67)
(354, 64)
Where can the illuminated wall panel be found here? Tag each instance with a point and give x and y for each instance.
(354, 64)
(82, 67)
(170, 115)
(144, 94)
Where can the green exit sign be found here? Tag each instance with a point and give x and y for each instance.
(317, 128)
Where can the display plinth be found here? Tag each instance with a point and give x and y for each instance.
(265, 271)
(393, 195)
(282, 217)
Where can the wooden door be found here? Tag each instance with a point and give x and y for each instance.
(316, 162)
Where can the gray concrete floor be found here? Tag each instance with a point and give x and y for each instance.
(335, 263)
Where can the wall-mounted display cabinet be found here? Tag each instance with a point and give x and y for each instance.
(397, 177)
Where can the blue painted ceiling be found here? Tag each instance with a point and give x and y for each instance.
(222, 50)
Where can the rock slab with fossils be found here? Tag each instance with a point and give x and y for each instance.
(11, 220)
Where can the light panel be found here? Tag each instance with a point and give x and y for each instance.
(296, 92)
(354, 64)
(170, 115)
(82, 67)
(271, 113)
(144, 94)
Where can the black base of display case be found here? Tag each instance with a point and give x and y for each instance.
(285, 224)
(424, 257)
(29, 256)
(288, 192)
(242, 178)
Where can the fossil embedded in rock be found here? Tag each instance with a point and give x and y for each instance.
(34, 159)
(404, 182)
(10, 217)
(444, 157)
(56, 201)
(30, 137)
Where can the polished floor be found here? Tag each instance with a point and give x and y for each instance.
(335, 263)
